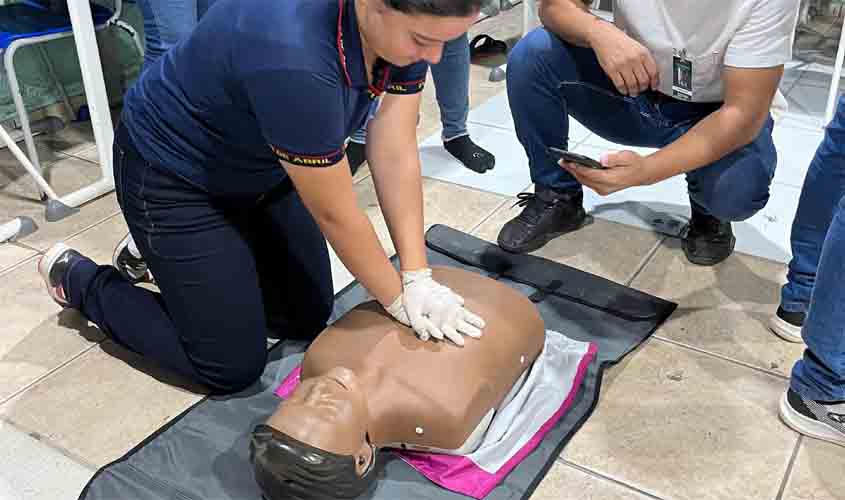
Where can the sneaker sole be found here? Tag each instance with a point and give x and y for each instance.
(119, 248)
(147, 277)
(785, 330)
(45, 263)
(808, 427)
(541, 242)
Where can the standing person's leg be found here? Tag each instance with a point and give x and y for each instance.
(824, 186)
(208, 323)
(451, 84)
(549, 80)
(166, 22)
(815, 402)
(293, 265)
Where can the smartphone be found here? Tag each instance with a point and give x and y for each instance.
(571, 157)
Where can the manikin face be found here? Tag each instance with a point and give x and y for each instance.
(330, 413)
(402, 39)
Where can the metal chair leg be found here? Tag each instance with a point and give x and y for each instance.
(14, 89)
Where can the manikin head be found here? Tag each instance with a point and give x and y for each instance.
(316, 445)
(404, 32)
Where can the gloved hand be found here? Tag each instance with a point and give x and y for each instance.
(433, 310)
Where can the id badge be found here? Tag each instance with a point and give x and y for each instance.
(681, 76)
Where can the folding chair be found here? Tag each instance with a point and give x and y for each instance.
(30, 22)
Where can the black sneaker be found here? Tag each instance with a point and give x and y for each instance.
(823, 420)
(787, 325)
(356, 155)
(708, 240)
(129, 263)
(470, 154)
(547, 215)
(53, 267)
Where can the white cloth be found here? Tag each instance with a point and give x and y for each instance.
(715, 34)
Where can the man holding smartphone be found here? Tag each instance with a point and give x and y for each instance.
(695, 79)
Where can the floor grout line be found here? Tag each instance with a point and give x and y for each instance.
(790, 467)
(489, 125)
(20, 264)
(47, 375)
(24, 246)
(722, 357)
(488, 216)
(645, 261)
(53, 446)
(596, 474)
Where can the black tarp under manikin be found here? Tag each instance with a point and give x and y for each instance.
(203, 454)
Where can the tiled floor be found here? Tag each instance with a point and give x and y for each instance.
(690, 415)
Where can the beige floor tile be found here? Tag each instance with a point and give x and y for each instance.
(11, 169)
(32, 470)
(98, 242)
(89, 154)
(685, 425)
(817, 473)
(101, 404)
(606, 249)
(568, 483)
(11, 254)
(74, 137)
(722, 309)
(37, 336)
(20, 198)
(445, 203)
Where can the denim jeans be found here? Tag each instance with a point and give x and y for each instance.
(451, 84)
(550, 80)
(817, 269)
(166, 22)
(229, 271)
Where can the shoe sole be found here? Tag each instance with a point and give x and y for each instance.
(808, 427)
(119, 248)
(146, 278)
(45, 263)
(785, 330)
(541, 242)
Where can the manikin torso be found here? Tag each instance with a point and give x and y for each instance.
(433, 395)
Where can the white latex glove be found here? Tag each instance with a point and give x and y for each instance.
(434, 310)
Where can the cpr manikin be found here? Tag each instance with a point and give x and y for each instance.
(368, 382)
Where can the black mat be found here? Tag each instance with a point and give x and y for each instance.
(203, 453)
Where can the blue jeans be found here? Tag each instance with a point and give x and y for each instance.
(549, 80)
(817, 270)
(451, 84)
(166, 22)
(229, 271)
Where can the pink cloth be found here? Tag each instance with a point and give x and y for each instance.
(459, 473)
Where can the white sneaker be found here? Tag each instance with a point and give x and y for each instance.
(787, 325)
(816, 419)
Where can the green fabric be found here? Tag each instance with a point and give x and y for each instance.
(118, 55)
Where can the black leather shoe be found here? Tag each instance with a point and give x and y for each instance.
(547, 215)
(708, 240)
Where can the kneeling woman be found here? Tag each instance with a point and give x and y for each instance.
(230, 170)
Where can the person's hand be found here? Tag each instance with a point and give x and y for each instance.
(623, 170)
(433, 310)
(628, 64)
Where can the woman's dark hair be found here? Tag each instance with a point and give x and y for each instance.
(288, 469)
(442, 8)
